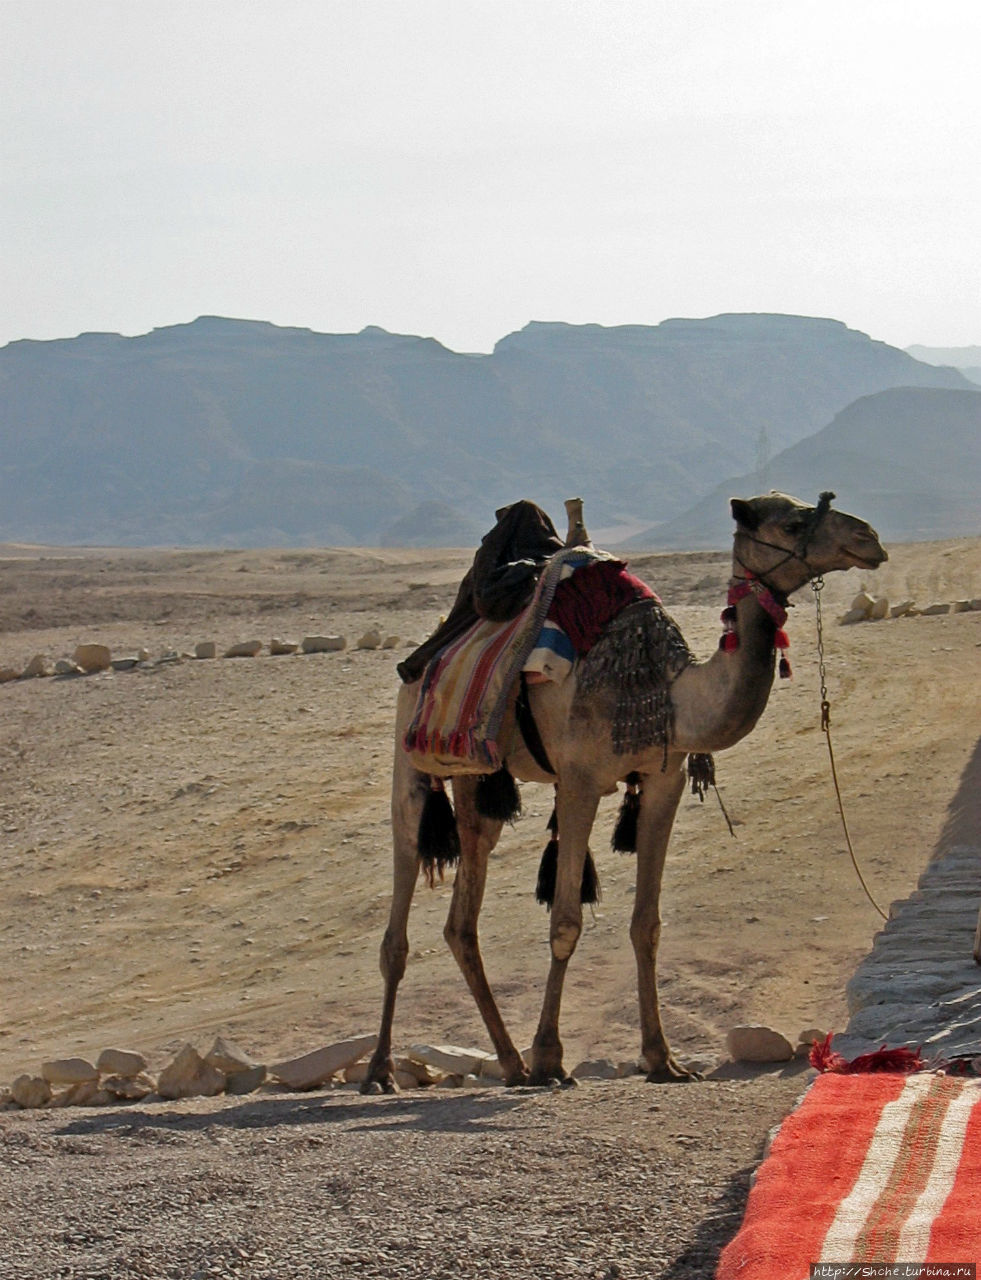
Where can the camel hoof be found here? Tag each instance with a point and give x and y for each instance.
(516, 1079)
(375, 1087)
(548, 1079)
(672, 1072)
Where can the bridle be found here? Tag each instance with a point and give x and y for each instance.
(799, 552)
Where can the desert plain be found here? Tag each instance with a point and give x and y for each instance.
(199, 847)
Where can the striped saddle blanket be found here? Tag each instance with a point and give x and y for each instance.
(464, 715)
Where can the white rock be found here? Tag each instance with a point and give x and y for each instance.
(934, 610)
(189, 1076)
(143, 655)
(244, 649)
(87, 1093)
(424, 1075)
(129, 1088)
(449, 1058)
(852, 616)
(206, 649)
(903, 609)
(758, 1044)
(391, 642)
(864, 601)
(92, 657)
(229, 1057)
(125, 664)
(121, 1062)
(960, 606)
(406, 1079)
(30, 1091)
(810, 1034)
(879, 609)
(248, 1081)
(40, 665)
(316, 1068)
(280, 647)
(65, 667)
(596, 1069)
(370, 640)
(68, 1071)
(323, 644)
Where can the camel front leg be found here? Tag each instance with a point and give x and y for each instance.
(409, 790)
(659, 804)
(576, 803)
(478, 836)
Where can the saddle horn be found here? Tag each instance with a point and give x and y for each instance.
(577, 535)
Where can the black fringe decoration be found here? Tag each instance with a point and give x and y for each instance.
(701, 773)
(497, 796)
(548, 869)
(636, 659)
(439, 839)
(590, 891)
(624, 838)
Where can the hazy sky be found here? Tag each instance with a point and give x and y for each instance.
(457, 168)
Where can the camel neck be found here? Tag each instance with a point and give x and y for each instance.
(718, 702)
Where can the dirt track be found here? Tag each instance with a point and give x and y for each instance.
(203, 847)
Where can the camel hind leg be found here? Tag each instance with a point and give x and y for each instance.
(659, 802)
(478, 836)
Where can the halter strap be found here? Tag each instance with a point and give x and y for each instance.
(799, 552)
(753, 585)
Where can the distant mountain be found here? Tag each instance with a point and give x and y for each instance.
(908, 460)
(967, 359)
(234, 432)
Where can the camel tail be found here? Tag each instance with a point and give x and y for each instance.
(439, 838)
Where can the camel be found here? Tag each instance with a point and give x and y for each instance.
(780, 544)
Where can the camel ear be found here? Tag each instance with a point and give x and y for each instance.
(744, 513)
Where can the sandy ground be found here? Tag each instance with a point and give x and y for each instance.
(203, 848)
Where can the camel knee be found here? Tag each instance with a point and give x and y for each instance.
(563, 938)
(645, 934)
(393, 956)
(460, 939)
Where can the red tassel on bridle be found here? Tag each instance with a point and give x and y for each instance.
(781, 642)
(729, 640)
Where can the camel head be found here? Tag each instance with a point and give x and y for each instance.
(785, 542)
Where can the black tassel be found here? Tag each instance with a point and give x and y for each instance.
(624, 838)
(547, 870)
(498, 796)
(701, 773)
(590, 891)
(553, 822)
(439, 839)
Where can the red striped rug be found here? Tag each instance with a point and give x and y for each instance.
(878, 1168)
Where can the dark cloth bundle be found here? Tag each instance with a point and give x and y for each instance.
(499, 583)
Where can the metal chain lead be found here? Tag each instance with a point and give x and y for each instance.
(817, 584)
